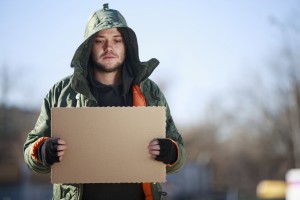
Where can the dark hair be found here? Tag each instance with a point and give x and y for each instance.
(131, 45)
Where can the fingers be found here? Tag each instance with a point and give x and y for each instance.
(61, 147)
(154, 148)
(60, 155)
(61, 141)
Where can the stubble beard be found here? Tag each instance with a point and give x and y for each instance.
(100, 68)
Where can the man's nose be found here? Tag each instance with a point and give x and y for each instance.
(109, 46)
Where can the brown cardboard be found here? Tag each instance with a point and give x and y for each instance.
(108, 144)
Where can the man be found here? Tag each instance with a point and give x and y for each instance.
(107, 72)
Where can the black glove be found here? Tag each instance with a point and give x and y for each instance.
(47, 152)
(167, 152)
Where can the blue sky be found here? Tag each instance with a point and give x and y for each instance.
(206, 48)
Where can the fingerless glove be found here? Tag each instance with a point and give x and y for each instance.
(47, 152)
(168, 151)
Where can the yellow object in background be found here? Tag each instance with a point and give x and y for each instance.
(271, 189)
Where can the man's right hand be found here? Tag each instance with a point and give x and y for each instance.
(52, 151)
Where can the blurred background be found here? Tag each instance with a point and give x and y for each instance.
(229, 70)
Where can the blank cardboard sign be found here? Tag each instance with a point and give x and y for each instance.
(108, 144)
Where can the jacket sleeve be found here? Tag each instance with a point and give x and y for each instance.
(157, 98)
(172, 133)
(41, 129)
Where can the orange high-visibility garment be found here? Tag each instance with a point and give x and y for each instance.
(139, 100)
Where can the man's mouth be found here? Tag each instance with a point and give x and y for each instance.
(109, 56)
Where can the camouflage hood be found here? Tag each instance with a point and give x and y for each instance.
(105, 19)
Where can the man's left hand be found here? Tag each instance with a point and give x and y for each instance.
(163, 150)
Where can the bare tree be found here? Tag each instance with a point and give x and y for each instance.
(292, 64)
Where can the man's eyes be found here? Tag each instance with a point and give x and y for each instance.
(99, 41)
(118, 41)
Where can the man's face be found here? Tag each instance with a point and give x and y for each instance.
(108, 51)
